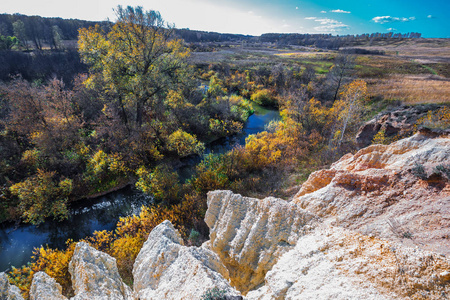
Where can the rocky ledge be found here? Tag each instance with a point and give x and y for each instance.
(399, 121)
(373, 226)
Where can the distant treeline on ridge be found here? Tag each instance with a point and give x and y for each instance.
(35, 32)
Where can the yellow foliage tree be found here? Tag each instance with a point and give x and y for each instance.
(40, 197)
(350, 106)
(184, 143)
(135, 62)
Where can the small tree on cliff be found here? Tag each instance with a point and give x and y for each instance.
(348, 110)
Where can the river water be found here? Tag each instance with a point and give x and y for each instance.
(17, 242)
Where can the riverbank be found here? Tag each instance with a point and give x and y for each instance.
(102, 211)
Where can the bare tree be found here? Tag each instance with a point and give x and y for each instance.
(341, 70)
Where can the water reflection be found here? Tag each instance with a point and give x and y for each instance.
(16, 244)
(256, 123)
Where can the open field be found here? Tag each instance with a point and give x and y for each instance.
(412, 89)
(412, 71)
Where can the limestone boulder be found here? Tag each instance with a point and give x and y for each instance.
(95, 275)
(398, 121)
(45, 287)
(166, 269)
(336, 263)
(249, 235)
(8, 291)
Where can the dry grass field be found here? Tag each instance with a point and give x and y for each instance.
(412, 89)
(412, 71)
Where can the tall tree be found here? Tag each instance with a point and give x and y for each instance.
(351, 104)
(136, 63)
(56, 37)
(20, 33)
(343, 65)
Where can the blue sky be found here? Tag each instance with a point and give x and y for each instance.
(260, 16)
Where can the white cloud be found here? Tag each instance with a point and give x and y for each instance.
(391, 29)
(327, 21)
(323, 12)
(296, 7)
(310, 18)
(389, 19)
(340, 11)
(429, 16)
(330, 25)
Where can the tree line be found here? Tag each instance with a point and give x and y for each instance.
(35, 32)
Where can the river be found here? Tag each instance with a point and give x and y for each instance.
(17, 242)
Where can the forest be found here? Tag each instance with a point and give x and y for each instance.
(134, 97)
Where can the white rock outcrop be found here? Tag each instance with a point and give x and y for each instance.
(336, 263)
(95, 275)
(250, 234)
(377, 191)
(312, 271)
(8, 291)
(45, 287)
(165, 269)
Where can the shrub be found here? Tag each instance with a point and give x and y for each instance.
(436, 119)
(40, 197)
(444, 170)
(419, 171)
(162, 184)
(263, 97)
(214, 294)
(184, 143)
(194, 237)
(105, 171)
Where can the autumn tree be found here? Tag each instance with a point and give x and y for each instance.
(136, 63)
(350, 107)
(40, 197)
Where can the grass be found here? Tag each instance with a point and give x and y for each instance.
(411, 89)
(433, 71)
(383, 66)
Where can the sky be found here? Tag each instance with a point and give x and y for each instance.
(255, 17)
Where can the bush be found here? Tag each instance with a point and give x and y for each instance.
(264, 97)
(41, 197)
(419, 171)
(444, 170)
(214, 294)
(162, 184)
(184, 143)
(194, 237)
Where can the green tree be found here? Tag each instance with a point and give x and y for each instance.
(162, 184)
(20, 33)
(57, 37)
(8, 42)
